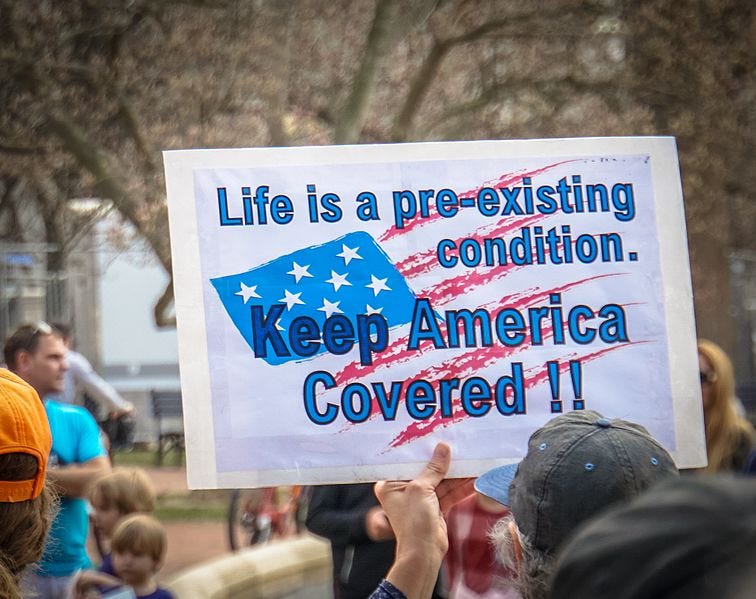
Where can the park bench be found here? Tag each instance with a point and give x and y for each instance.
(168, 414)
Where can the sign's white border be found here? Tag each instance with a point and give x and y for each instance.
(190, 310)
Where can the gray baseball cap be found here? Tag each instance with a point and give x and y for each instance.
(577, 465)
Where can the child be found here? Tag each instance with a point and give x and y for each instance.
(116, 495)
(138, 550)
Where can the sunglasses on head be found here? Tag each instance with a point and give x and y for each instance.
(42, 328)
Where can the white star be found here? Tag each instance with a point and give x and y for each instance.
(279, 327)
(246, 292)
(299, 271)
(378, 285)
(330, 308)
(291, 299)
(349, 254)
(370, 310)
(338, 280)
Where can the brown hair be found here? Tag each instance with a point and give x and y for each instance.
(126, 489)
(725, 428)
(139, 534)
(23, 524)
(25, 338)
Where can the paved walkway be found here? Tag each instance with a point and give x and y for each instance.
(191, 543)
(167, 478)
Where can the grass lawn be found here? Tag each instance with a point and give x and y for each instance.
(190, 508)
(179, 506)
(145, 458)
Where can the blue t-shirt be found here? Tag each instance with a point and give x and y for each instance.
(107, 564)
(75, 440)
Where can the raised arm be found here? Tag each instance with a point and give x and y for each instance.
(96, 387)
(415, 510)
(74, 479)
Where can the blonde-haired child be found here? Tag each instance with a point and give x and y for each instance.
(138, 547)
(114, 496)
(138, 550)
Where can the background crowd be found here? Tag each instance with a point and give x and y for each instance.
(503, 536)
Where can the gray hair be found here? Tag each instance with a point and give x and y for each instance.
(531, 574)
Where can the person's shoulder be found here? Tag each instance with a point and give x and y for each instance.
(747, 431)
(74, 357)
(75, 419)
(68, 410)
(745, 437)
(743, 447)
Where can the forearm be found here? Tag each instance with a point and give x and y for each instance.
(414, 511)
(95, 386)
(104, 393)
(90, 579)
(415, 571)
(74, 479)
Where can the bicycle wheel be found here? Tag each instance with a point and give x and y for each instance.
(242, 522)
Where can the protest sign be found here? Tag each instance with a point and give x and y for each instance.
(341, 309)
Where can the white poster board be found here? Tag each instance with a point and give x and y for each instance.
(342, 309)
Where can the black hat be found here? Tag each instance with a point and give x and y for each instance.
(687, 538)
(577, 465)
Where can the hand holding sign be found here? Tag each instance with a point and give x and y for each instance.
(420, 505)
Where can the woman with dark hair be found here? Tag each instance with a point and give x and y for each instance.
(26, 503)
(729, 436)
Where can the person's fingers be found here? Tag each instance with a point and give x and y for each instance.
(432, 475)
(384, 487)
(435, 470)
(383, 527)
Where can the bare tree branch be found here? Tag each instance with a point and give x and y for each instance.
(109, 183)
(131, 123)
(9, 205)
(419, 88)
(553, 90)
(47, 198)
(21, 149)
(349, 125)
(536, 23)
(161, 312)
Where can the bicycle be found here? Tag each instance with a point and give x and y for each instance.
(256, 516)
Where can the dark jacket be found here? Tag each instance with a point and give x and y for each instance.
(337, 512)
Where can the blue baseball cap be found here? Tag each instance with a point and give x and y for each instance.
(495, 482)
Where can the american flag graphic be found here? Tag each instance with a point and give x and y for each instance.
(350, 275)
